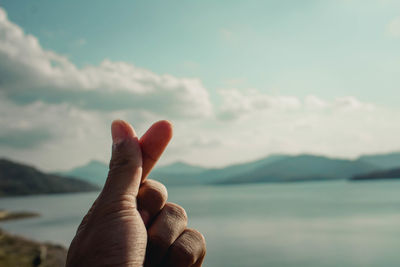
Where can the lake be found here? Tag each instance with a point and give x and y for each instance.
(297, 224)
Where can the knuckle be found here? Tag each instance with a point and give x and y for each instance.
(183, 254)
(156, 185)
(119, 164)
(155, 191)
(118, 202)
(197, 237)
(175, 210)
(189, 247)
(125, 201)
(158, 242)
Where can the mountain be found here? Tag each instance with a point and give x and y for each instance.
(195, 175)
(378, 175)
(19, 179)
(178, 173)
(385, 161)
(303, 168)
(180, 167)
(217, 175)
(94, 172)
(273, 168)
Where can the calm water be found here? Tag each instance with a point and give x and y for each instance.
(302, 224)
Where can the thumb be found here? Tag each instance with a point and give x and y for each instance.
(125, 171)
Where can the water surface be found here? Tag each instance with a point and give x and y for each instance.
(297, 224)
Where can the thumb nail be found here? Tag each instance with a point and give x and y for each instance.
(121, 131)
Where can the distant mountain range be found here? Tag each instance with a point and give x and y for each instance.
(303, 168)
(274, 168)
(94, 172)
(385, 161)
(20, 179)
(378, 175)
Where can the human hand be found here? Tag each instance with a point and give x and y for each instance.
(130, 223)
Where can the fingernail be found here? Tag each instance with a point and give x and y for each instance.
(120, 131)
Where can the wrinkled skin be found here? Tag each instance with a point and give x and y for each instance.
(131, 223)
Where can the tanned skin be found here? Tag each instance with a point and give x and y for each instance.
(131, 223)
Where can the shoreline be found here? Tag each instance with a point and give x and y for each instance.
(16, 250)
(10, 215)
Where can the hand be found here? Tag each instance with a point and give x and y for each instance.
(130, 223)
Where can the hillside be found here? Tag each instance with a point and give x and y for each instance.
(176, 173)
(18, 251)
(19, 179)
(379, 175)
(273, 168)
(221, 174)
(385, 161)
(181, 173)
(180, 167)
(303, 168)
(94, 172)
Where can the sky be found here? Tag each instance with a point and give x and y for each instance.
(239, 80)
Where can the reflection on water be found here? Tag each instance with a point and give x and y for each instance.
(302, 224)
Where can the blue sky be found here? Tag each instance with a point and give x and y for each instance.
(259, 65)
(282, 47)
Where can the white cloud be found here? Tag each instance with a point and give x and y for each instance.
(393, 28)
(332, 131)
(52, 136)
(237, 104)
(351, 103)
(314, 102)
(56, 115)
(30, 73)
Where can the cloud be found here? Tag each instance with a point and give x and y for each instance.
(351, 103)
(53, 136)
(24, 139)
(30, 73)
(56, 115)
(38, 123)
(393, 28)
(237, 104)
(20, 126)
(313, 102)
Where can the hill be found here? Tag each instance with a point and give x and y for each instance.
(384, 161)
(176, 173)
(379, 175)
(194, 175)
(180, 167)
(303, 168)
(94, 172)
(18, 251)
(19, 179)
(273, 168)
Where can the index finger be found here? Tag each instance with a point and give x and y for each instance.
(153, 144)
